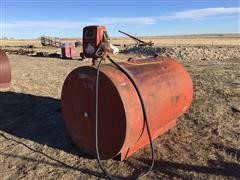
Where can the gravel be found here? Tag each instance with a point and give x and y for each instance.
(188, 53)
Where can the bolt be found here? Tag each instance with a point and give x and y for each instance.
(86, 114)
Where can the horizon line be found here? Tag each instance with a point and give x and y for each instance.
(144, 36)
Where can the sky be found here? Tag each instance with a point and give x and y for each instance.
(66, 18)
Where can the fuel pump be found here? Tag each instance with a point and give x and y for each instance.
(96, 43)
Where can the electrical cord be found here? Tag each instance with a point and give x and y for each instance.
(122, 69)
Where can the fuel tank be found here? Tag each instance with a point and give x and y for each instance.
(5, 70)
(165, 86)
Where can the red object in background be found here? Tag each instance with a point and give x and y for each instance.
(92, 36)
(167, 92)
(68, 51)
(5, 70)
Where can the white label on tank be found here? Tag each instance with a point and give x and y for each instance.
(82, 76)
(86, 81)
(85, 76)
(88, 85)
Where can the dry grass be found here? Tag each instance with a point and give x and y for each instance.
(175, 41)
(35, 144)
(159, 41)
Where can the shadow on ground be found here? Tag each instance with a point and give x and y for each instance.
(35, 118)
(38, 119)
(178, 170)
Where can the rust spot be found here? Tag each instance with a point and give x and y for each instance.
(177, 99)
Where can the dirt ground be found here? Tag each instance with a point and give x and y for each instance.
(205, 144)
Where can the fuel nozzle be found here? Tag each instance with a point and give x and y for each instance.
(105, 47)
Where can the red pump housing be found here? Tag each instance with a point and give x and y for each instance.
(92, 36)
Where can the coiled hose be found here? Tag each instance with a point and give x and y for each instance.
(122, 69)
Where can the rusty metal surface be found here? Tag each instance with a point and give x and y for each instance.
(167, 91)
(5, 70)
(78, 106)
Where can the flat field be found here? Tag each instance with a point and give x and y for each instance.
(158, 40)
(205, 144)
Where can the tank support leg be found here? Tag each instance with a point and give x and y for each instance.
(128, 152)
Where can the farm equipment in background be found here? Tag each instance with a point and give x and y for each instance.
(5, 71)
(21, 50)
(114, 110)
(68, 51)
(50, 41)
(138, 41)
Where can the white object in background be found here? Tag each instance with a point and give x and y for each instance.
(114, 49)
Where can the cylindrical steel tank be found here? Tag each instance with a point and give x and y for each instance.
(5, 70)
(167, 92)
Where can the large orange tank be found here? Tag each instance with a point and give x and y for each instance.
(167, 92)
(5, 70)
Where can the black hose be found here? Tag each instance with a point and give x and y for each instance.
(144, 115)
(96, 126)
